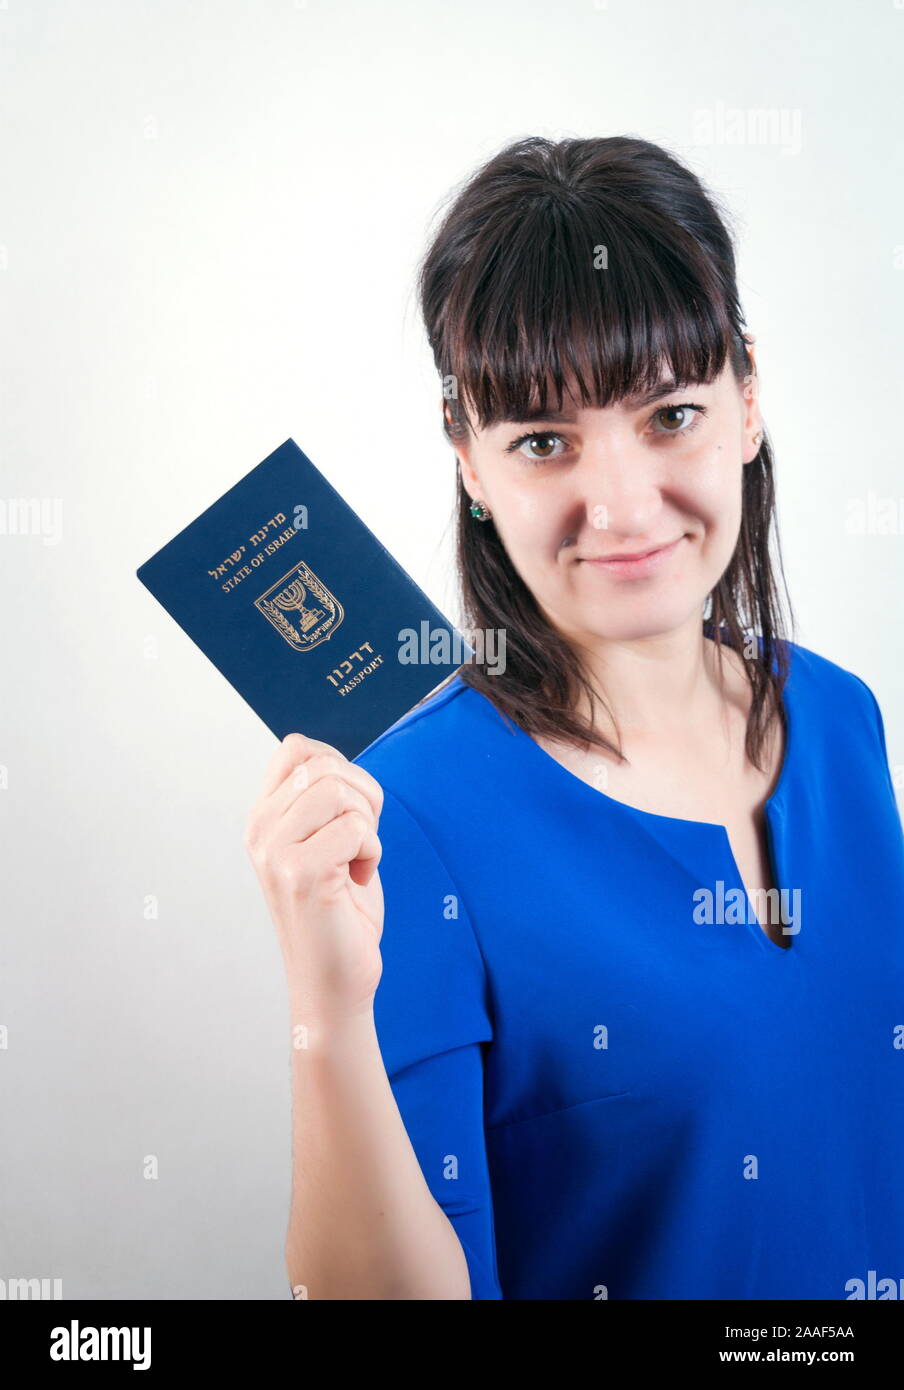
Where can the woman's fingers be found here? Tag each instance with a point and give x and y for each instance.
(294, 749)
(326, 765)
(310, 783)
(327, 799)
(343, 846)
(284, 780)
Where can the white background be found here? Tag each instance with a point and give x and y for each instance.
(211, 219)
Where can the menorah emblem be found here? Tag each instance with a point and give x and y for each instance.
(301, 608)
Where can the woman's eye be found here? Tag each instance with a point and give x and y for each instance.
(679, 419)
(542, 441)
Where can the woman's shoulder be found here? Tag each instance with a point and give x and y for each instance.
(426, 748)
(836, 709)
(818, 676)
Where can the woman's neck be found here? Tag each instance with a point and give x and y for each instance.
(665, 683)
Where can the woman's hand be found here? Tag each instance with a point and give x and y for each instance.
(312, 838)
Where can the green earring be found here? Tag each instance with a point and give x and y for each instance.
(481, 511)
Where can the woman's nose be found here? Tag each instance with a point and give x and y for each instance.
(620, 490)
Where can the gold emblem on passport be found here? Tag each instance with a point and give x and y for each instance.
(301, 608)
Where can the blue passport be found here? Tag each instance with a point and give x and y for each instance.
(302, 609)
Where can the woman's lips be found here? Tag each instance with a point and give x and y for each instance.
(639, 565)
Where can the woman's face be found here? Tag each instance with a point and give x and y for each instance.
(572, 494)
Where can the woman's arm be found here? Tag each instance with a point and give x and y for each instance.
(363, 1222)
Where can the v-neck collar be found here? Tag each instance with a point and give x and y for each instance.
(683, 839)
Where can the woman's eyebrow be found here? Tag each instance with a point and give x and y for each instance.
(568, 417)
(656, 393)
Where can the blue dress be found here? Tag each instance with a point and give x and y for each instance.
(616, 1085)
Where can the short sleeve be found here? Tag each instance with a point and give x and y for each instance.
(432, 1018)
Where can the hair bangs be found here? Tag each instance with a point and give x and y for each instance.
(577, 303)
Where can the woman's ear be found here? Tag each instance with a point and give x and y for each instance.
(470, 481)
(752, 425)
(469, 478)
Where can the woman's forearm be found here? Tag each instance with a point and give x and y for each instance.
(363, 1223)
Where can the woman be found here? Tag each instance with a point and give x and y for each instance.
(637, 1032)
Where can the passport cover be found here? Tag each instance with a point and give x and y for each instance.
(302, 609)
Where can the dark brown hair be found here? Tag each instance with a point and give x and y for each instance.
(516, 309)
